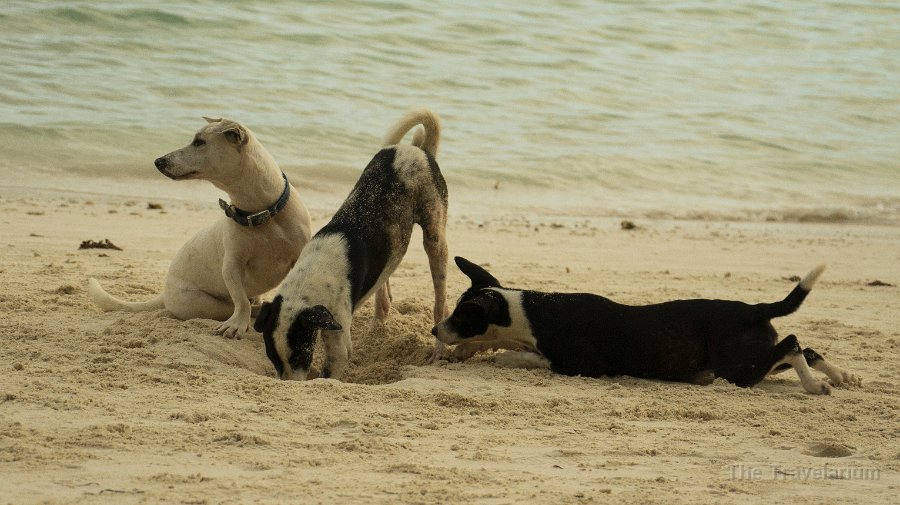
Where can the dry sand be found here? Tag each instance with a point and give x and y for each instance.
(142, 408)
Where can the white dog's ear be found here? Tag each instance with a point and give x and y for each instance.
(211, 120)
(236, 135)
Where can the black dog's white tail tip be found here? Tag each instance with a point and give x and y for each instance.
(810, 280)
(793, 300)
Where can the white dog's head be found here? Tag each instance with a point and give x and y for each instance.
(215, 153)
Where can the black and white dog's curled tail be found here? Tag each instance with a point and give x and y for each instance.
(427, 142)
(793, 300)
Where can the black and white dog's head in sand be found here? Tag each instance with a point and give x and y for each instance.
(585, 334)
(353, 256)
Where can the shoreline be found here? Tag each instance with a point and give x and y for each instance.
(324, 188)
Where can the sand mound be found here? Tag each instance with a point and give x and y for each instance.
(381, 350)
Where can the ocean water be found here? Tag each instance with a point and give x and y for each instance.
(707, 109)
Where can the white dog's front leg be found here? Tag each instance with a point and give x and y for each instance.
(236, 325)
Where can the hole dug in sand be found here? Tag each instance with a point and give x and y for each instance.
(829, 450)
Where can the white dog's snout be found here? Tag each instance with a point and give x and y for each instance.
(164, 166)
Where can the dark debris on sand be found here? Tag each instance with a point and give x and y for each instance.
(104, 244)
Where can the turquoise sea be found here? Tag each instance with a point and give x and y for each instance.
(718, 110)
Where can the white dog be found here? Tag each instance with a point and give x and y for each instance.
(243, 254)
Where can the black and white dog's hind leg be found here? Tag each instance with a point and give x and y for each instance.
(836, 374)
(383, 301)
(434, 241)
(745, 366)
(814, 360)
(788, 352)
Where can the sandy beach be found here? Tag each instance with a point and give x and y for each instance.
(747, 143)
(143, 408)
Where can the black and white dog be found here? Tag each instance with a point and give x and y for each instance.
(353, 256)
(682, 340)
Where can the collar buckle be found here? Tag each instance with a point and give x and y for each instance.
(250, 220)
(258, 219)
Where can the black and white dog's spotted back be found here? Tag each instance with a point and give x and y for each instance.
(353, 256)
(589, 335)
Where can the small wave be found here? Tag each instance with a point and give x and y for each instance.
(104, 19)
(154, 15)
(758, 142)
(115, 20)
(78, 15)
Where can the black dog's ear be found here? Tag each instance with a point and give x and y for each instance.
(471, 309)
(268, 314)
(318, 317)
(496, 310)
(480, 277)
(489, 306)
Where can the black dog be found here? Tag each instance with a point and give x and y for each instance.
(589, 335)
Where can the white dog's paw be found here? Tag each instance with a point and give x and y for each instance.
(232, 329)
